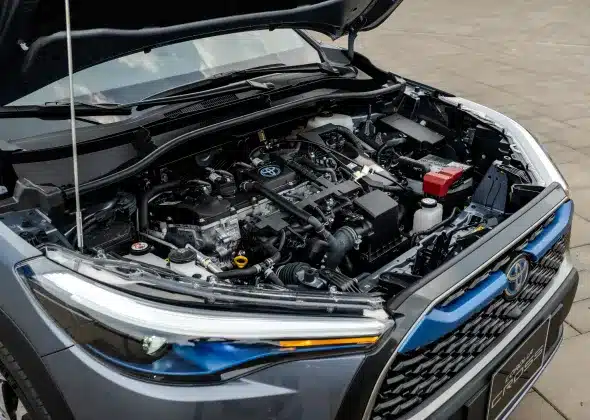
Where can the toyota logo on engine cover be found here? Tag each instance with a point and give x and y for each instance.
(270, 171)
(517, 274)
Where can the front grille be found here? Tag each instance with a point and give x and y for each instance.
(419, 373)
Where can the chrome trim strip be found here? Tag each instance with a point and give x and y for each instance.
(533, 380)
(560, 277)
(443, 296)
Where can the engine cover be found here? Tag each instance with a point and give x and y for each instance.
(274, 175)
(201, 210)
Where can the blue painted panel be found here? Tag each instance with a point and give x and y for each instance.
(441, 321)
(551, 233)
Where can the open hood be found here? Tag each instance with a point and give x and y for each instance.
(32, 33)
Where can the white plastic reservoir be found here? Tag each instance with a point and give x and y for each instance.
(187, 269)
(429, 214)
(336, 119)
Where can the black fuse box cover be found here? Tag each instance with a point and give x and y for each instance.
(412, 129)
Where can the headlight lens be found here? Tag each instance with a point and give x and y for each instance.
(175, 342)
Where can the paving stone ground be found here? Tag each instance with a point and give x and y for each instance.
(531, 60)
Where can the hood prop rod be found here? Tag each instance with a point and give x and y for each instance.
(351, 38)
(79, 227)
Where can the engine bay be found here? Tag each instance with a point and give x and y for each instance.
(362, 200)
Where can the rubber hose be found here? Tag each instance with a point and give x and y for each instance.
(240, 273)
(297, 212)
(319, 211)
(437, 226)
(282, 240)
(303, 229)
(316, 247)
(244, 165)
(223, 172)
(288, 206)
(353, 138)
(319, 168)
(275, 279)
(391, 188)
(143, 206)
(387, 145)
(344, 240)
(413, 162)
(255, 269)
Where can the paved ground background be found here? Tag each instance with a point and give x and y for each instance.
(531, 60)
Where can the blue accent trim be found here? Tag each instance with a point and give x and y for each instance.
(205, 358)
(441, 321)
(551, 233)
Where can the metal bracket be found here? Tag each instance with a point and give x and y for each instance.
(79, 227)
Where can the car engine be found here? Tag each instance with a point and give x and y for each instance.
(348, 202)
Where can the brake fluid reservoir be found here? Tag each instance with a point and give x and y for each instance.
(429, 214)
(336, 119)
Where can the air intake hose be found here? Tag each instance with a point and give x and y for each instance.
(339, 244)
(345, 239)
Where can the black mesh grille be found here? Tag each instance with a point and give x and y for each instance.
(199, 106)
(418, 374)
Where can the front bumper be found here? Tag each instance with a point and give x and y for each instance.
(306, 389)
(336, 387)
(310, 389)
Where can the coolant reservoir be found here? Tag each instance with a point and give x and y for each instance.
(180, 261)
(336, 119)
(429, 214)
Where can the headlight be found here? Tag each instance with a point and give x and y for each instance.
(540, 163)
(180, 341)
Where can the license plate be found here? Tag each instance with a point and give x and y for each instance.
(516, 372)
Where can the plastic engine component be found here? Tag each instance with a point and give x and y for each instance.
(381, 210)
(182, 255)
(439, 183)
(34, 227)
(413, 129)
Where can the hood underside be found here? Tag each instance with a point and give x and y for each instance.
(32, 33)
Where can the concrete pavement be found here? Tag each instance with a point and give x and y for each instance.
(531, 60)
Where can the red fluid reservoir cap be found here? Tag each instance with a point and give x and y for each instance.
(438, 183)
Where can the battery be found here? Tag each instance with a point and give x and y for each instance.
(437, 176)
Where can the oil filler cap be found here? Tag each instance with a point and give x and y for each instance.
(140, 248)
(182, 255)
(240, 261)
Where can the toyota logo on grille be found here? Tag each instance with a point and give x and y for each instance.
(517, 274)
(270, 171)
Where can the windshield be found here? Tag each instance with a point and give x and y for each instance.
(139, 75)
(142, 74)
